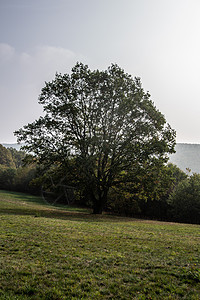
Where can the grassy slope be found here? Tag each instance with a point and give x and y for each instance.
(51, 253)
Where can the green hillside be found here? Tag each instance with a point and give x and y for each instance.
(58, 253)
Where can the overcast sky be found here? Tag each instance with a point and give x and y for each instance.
(156, 40)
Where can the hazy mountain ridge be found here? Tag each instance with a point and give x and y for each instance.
(15, 146)
(186, 156)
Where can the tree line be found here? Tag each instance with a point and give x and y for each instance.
(15, 173)
(102, 143)
(169, 194)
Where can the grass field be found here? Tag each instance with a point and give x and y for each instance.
(55, 253)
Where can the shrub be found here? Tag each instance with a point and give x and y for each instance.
(185, 200)
(7, 177)
(123, 203)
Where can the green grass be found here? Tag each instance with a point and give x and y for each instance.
(50, 253)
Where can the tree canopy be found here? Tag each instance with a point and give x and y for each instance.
(101, 124)
(6, 158)
(185, 200)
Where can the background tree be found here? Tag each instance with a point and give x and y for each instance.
(7, 177)
(145, 193)
(18, 157)
(158, 184)
(6, 157)
(57, 185)
(104, 121)
(14, 173)
(185, 200)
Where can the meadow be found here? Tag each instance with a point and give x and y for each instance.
(49, 252)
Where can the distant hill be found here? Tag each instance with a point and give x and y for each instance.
(187, 156)
(16, 146)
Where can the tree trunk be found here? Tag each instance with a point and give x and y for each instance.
(97, 207)
(98, 204)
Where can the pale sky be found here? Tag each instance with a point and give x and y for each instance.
(156, 40)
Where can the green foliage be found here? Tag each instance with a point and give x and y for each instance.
(7, 177)
(17, 179)
(102, 120)
(18, 157)
(14, 174)
(11, 157)
(158, 184)
(6, 157)
(145, 192)
(57, 184)
(185, 200)
(24, 177)
(177, 174)
(123, 202)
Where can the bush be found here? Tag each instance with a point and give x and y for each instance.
(7, 177)
(24, 178)
(122, 202)
(156, 204)
(6, 157)
(185, 200)
(18, 179)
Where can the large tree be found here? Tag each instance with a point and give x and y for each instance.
(103, 122)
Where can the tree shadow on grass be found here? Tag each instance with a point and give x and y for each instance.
(21, 197)
(54, 213)
(23, 205)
